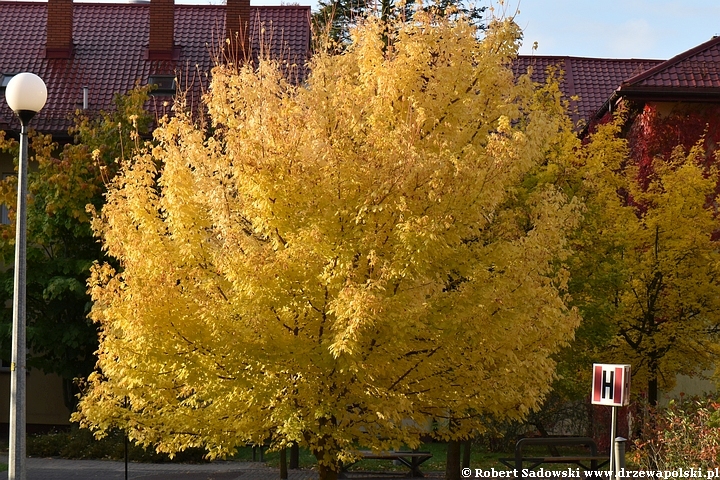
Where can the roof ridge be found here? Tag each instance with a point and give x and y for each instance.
(601, 59)
(119, 3)
(283, 7)
(671, 62)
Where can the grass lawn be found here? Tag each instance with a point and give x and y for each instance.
(478, 459)
(81, 444)
(85, 446)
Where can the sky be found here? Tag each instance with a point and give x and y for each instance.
(656, 29)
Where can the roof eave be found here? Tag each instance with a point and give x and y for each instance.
(600, 112)
(670, 94)
(663, 94)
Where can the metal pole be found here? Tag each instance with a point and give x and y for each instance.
(126, 456)
(612, 442)
(18, 368)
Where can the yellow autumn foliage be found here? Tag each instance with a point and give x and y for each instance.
(647, 270)
(351, 261)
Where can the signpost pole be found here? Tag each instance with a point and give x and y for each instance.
(612, 442)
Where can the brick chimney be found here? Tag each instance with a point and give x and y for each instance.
(59, 42)
(162, 30)
(237, 26)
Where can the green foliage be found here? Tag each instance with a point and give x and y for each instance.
(61, 246)
(335, 19)
(646, 270)
(81, 444)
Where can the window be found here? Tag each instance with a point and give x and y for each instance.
(164, 84)
(4, 80)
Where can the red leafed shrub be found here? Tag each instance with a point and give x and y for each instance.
(684, 434)
(653, 134)
(601, 422)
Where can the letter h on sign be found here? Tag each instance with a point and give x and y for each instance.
(611, 385)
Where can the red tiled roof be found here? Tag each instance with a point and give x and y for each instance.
(696, 71)
(110, 51)
(592, 80)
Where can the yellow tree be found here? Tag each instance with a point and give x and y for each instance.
(357, 261)
(647, 273)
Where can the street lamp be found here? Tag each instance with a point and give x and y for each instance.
(25, 95)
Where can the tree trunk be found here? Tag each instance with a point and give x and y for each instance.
(467, 446)
(653, 382)
(327, 449)
(283, 464)
(326, 473)
(294, 456)
(70, 392)
(452, 468)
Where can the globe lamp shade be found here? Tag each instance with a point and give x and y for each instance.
(26, 95)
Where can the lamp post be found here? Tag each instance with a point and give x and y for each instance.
(25, 95)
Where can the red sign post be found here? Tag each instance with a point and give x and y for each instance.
(611, 386)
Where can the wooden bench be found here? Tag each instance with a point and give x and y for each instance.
(591, 461)
(411, 460)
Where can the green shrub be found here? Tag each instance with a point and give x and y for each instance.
(80, 444)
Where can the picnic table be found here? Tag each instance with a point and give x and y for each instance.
(588, 461)
(412, 460)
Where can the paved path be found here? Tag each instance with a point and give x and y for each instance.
(61, 469)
